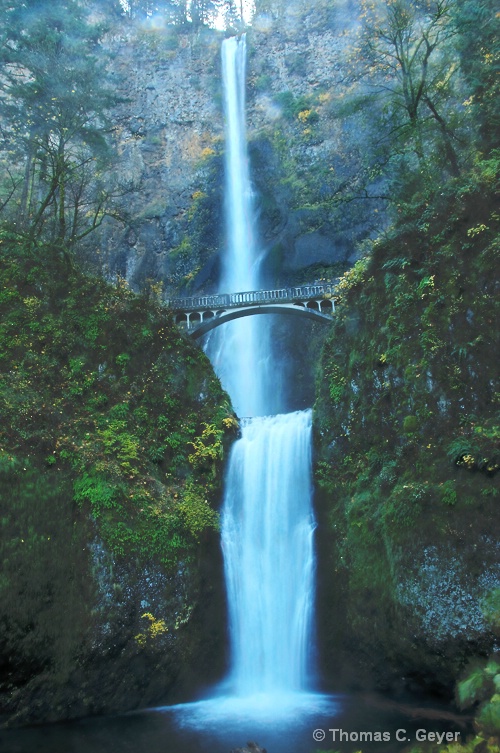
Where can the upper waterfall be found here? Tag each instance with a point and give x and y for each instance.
(240, 263)
(242, 355)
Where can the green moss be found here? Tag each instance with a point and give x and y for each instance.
(410, 424)
(113, 430)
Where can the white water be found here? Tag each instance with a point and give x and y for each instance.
(241, 351)
(267, 539)
(267, 519)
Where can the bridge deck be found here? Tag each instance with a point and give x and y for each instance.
(200, 314)
(229, 300)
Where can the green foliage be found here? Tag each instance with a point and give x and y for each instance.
(99, 388)
(478, 25)
(474, 688)
(410, 424)
(94, 490)
(292, 106)
(489, 717)
(110, 459)
(196, 513)
(449, 494)
(407, 408)
(263, 83)
(481, 687)
(491, 609)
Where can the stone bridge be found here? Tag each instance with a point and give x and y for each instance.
(200, 314)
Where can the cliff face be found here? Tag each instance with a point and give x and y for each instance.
(170, 138)
(303, 148)
(166, 130)
(407, 436)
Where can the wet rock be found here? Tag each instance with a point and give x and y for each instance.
(170, 134)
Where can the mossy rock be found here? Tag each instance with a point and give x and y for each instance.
(410, 424)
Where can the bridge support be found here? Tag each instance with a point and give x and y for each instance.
(203, 327)
(325, 305)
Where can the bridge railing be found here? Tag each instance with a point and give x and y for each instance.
(228, 300)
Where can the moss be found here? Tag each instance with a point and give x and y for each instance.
(410, 424)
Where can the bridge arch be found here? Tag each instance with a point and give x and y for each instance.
(292, 309)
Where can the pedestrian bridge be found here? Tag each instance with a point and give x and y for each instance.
(200, 314)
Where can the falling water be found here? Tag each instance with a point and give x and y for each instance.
(241, 350)
(267, 520)
(267, 538)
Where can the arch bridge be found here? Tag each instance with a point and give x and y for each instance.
(200, 314)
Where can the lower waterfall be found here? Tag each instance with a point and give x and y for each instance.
(267, 539)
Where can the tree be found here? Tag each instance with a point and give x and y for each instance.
(55, 130)
(411, 61)
(181, 12)
(478, 25)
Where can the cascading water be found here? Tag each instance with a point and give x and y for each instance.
(267, 521)
(267, 518)
(268, 550)
(241, 350)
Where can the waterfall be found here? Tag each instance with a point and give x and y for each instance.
(241, 350)
(267, 518)
(267, 522)
(268, 552)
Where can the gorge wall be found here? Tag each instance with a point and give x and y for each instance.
(408, 454)
(303, 152)
(112, 442)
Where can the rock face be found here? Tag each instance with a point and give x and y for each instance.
(315, 248)
(414, 617)
(303, 149)
(166, 131)
(125, 655)
(111, 595)
(170, 139)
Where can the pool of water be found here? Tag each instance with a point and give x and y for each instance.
(297, 723)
